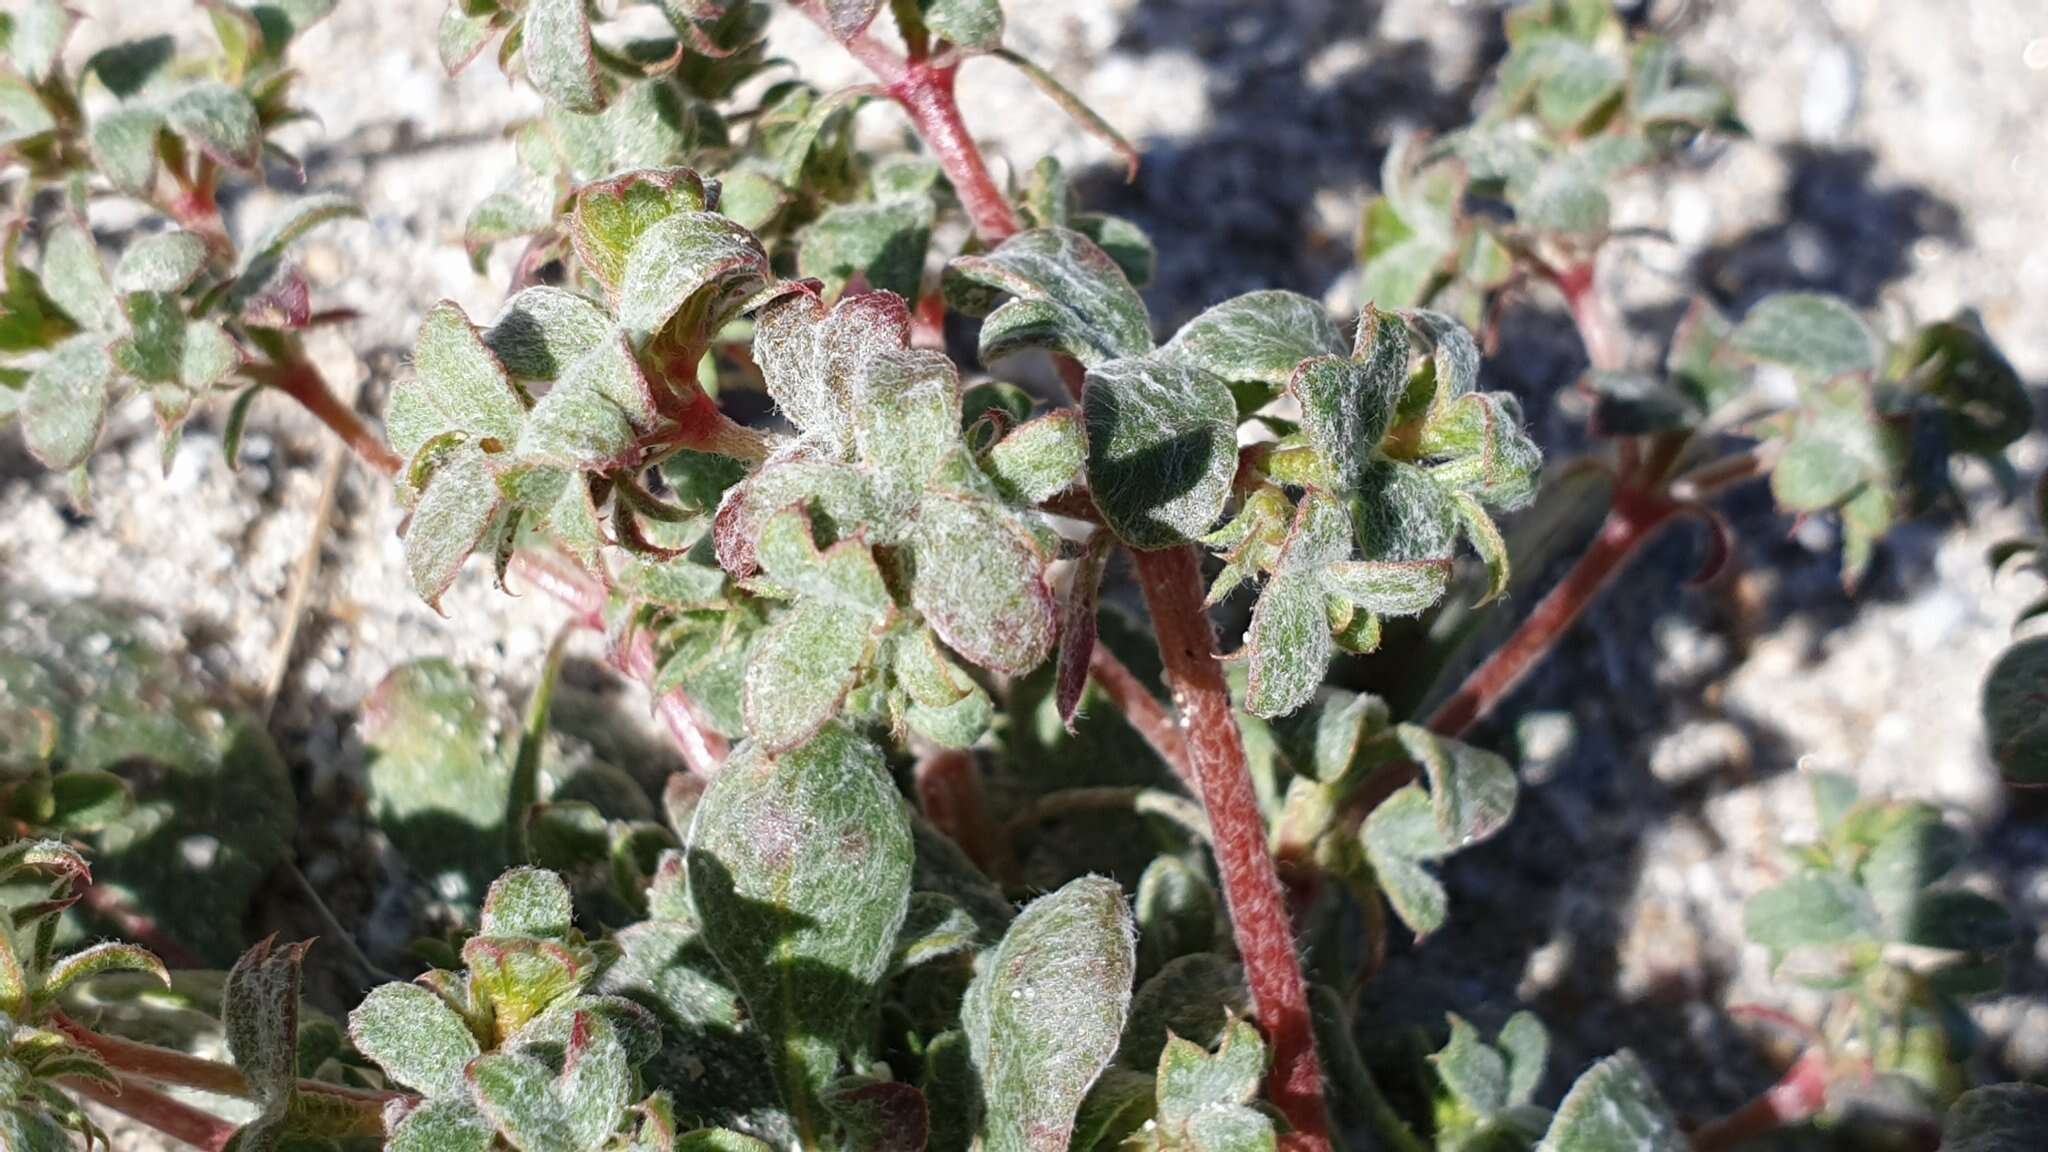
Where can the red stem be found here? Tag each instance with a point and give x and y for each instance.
(1797, 1097)
(1144, 712)
(1598, 329)
(173, 1118)
(1172, 583)
(1634, 519)
(303, 383)
(153, 1063)
(949, 792)
(926, 93)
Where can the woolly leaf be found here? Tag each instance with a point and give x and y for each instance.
(1818, 336)
(461, 35)
(883, 242)
(1479, 447)
(560, 60)
(577, 428)
(905, 417)
(260, 1014)
(1040, 459)
(1614, 1107)
(538, 1110)
(75, 279)
(1162, 448)
(1065, 294)
(1815, 470)
(699, 259)
(414, 1036)
(612, 215)
(221, 121)
(1474, 1073)
(450, 1124)
(880, 1115)
(1289, 640)
(981, 583)
(1176, 911)
(1346, 405)
(124, 147)
(164, 347)
(800, 866)
(1231, 1129)
(1192, 1081)
(457, 385)
(1043, 1015)
(1998, 1118)
(455, 512)
(2016, 726)
(972, 24)
(165, 262)
(108, 956)
(528, 902)
(1398, 836)
(543, 331)
(1259, 338)
(1526, 1044)
(64, 403)
(803, 666)
(1471, 790)
(849, 17)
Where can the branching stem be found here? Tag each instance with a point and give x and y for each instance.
(1798, 1096)
(173, 1118)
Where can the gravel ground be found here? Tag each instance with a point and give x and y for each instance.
(1897, 158)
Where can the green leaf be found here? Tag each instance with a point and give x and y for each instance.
(1041, 458)
(1045, 1011)
(575, 1110)
(1065, 294)
(1398, 835)
(1614, 1108)
(164, 347)
(1999, 1118)
(64, 404)
(1816, 470)
(221, 121)
(800, 866)
(260, 1015)
(1192, 1081)
(124, 148)
(982, 584)
(885, 243)
(1957, 920)
(87, 802)
(415, 1037)
(1526, 1044)
(905, 416)
(1811, 910)
(934, 927)
(528, 902)
(437, 783)
(1347, 405)
(450, 1124)
(457, 510)
(1162, 448)
(699, 259)
(1980, 393)
(1472, 1071)
(461, 35)
(803, 666)
(578, 427)
(108, 956)
(1818, 336)
(976, 25)
(880, 1115)
(165, 262)
(544, 331)
(260, 262)
(560, 60)
(612, 215)
(849, 17)
(1259, 337)
(2015, 723)
(1289, 640)
(1116, 1110)
(1176, 910)
(1915, 850)
(75, 279)
(37, 37)
(1479, 447)
(457, 385)
(1231, 1129)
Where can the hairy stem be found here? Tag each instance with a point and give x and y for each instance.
(135, 1060)
(302, 382)
(173, 1118)
(926, 93)
(1172, 583)
(1633, 521)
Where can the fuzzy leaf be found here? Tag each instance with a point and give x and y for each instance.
(75, 279)
(64, 403)
(1065, 294)
(849, 17)
(165, 262)
(981, 583)
(687, 257)
(1346, 405)
(1526, 1044)
(2015, 723)
(1192, 1080)
(221, 121)
(1981, 394)
(264, 257)
(800, 866)
(882, 242)
(415, 1037)
(560, 60)
(538, 1110)
(457, 385)
(880, 1115)
(1998, 1118)
(450, 1124)
(934, 927)
(37, 36)
(461, 35)
(1044, 1014)
(108, 956)
(905, 417)
(578, 428)
(543, 331)
(1471, 790)
(1162, 448)
(437, 784)
(166, 348)
(1259, 337)
(803, 666)
(260, 1015)
(1040, 459)
(612, 215)
(1474, 1073)
(1176, 910)
(528, 902)
(124, 147)
(1816, 470)
(1614, 1107)
(1398, 836)
(459, 506)
(1818, 336)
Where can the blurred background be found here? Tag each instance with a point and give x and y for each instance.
(1897, 157)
